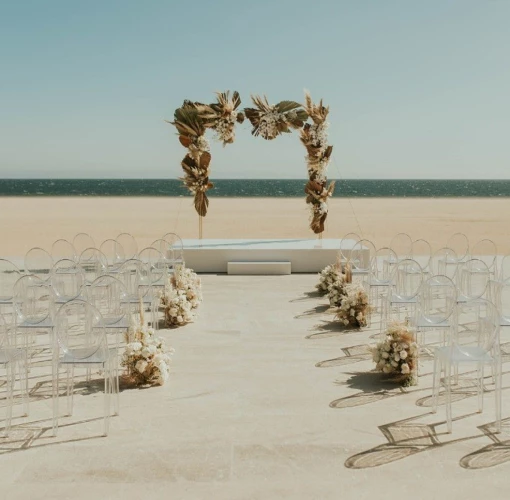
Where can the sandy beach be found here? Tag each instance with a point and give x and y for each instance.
(29, 222)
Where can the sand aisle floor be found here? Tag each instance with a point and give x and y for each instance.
(267, 399)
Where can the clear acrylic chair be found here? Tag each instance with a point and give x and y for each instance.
(459, 243)
(401, 244)
(11, 358)
(114, 253)
(177, 247)
(167, 250)
(63, 249)
(503, 302)
(478, 344)
(444, 262)
(129, 245)
(435, 310)
(361, 257)
(157, 266)
(134, 276)
(39, 263)
(34, 312)
(109, 296)
(347, 243)
(82, 241)
(379, 278)
(496, 283)
(472, 280)
(94, 264)
(9, 274)
(67, 281)
(406, 281)
(421, 252)
(487, 251)
(80, 341)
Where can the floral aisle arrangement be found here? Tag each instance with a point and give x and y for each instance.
(182, 296)
(337, 290)
(397, 354)
(314, 137)
(328, 277)
(354, 308)
(146, 357)
(192, 120)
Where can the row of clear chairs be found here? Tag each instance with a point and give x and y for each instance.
(115, 251)
(78, 338)
(457, 250)
(458, 301)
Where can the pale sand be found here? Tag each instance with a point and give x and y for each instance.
(29, 222)
(267, 400)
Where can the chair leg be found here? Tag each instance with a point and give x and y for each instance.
(448, 384)
(107, 380)
(438, 366)
(9, 374)
(55, 388)
(480, 387)
(497, 392)
(70, 389)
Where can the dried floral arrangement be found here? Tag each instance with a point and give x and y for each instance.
(271, 120)
(314, 137)
(145, 356)
(354, 308)
(182, 296)
(397, 354)
(192, 120)
(328, 277)
(337, 290)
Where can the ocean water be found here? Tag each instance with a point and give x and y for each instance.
(254, 188)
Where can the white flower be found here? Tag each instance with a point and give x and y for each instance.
(405, 368)
(385, 355)
(403, 354)
(141, 365)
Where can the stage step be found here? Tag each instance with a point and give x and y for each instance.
(259, 267)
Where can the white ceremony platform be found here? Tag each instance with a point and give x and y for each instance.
(262, 256)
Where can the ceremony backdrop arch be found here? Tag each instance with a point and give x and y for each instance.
(269, 121)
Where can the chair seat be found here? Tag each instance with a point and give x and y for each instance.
(395, 299)
(422, 322)
(460, 354)
(121, 323)
(86, 356)
(45, 323)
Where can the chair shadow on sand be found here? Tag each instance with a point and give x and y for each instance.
(405, 438)
(352, 354)
(328, 329)
(493, 454)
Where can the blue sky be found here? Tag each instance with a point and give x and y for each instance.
(417, 89)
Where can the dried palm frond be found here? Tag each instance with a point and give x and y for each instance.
(314, 138)
(270, 121)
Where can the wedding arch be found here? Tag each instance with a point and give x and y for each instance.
(193, 119)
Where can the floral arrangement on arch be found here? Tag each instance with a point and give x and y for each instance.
(192, 120)
(145, 356)
(182, 296)
(269, 121)
(314, 137)
(354, 309)
(397, 354)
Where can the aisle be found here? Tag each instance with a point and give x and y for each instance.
(268, 399)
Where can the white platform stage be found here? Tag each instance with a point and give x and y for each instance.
(263, 256)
